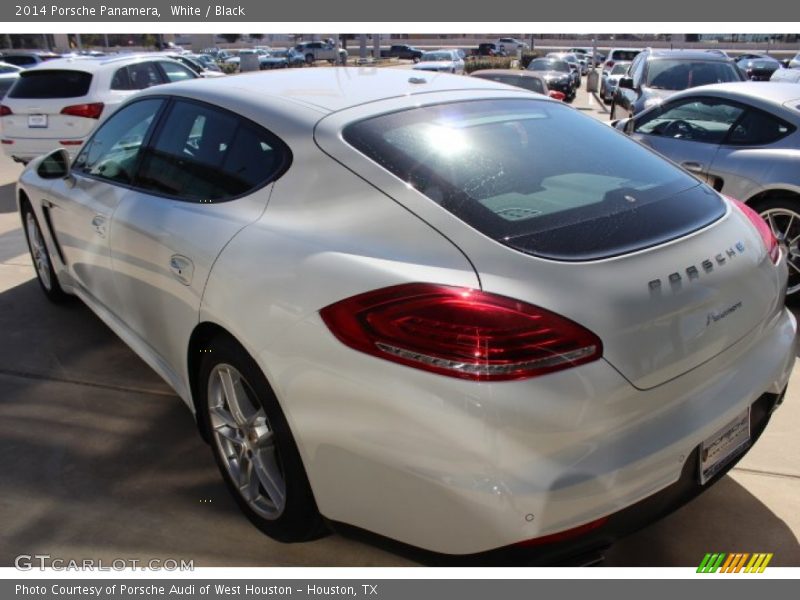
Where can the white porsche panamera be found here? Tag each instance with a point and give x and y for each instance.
(447, 311)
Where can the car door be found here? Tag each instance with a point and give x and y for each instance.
(204, 176)
(688, 131)
(82, 206)
(743, 161)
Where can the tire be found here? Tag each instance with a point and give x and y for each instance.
(613, 114)
(415, 59)
(42, 262)
(251, 432)
(309, 59)
(780, 213)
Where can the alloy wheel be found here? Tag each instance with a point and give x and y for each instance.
(785, 225)
(41, 260)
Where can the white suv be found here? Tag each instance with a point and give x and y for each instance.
(60, 102)
(511, 45)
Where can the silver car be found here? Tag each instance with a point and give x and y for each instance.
(741, 138)
(449, 311)
(610, 79)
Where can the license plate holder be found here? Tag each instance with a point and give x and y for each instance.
(724, 445)
(37, 121)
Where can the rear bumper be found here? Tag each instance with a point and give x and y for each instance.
(463, 468)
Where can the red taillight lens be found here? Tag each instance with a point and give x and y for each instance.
(460, 332)
(90, 111)
(556, 95)
(764, 230)
(609, 63)
(4, 110)
(562, 536)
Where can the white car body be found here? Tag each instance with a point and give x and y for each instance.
(441, 61)
(442, 463)
(794, 63)
(24, 139)
(511, 46)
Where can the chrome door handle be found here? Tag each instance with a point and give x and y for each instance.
(182, 268)
(694, 167)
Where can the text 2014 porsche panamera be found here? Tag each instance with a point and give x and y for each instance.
(440, 309)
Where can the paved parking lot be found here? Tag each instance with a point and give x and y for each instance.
(100, 460)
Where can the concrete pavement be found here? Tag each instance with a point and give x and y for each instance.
(99, 459)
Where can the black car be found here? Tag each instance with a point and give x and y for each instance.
(557, 74)
(403, 51)
(655, 75)
(757, 67)
(490, 49)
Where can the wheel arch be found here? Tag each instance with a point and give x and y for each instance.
(774, 194)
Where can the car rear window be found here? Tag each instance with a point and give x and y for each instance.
(538, 177)
(666, 74)
(532, 84)
(51, 84)
(626, 55)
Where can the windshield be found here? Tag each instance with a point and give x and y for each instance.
(532, 84)
(681, 74)
(620, 68)
(537, 176)
(548, 64)
(436, 56)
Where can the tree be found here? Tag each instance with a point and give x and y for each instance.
(256, 36)
(231, 38)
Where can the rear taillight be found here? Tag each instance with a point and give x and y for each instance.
(609, 64)
(460, 332)
(5, 111)
(556, 95)
(89, 111)
(764, 230)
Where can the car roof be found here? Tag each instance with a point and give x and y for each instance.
(775, 93)
(330, 89)
(93, 64)
(703, 55)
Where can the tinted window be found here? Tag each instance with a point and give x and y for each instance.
(21, 61)
(532, 84)
(51, 84)
(143, 75)
(176, 72)
(681, 74)
(544, 64)
(620, 69)
(626, 55)
(757, 128)
(113, 150)
(5, 84)
(538, 177)
(208, 154)
(7, 69)
(700, 120)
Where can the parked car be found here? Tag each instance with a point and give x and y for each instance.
(593, 59)
(758, 67)
(655, 75)
(201, 69)
(558, 75)
(616, 55)
(743, 139)
(610, 79)
(314, 51)
(26, 60)
(786, 75)
(8, 75)
(282, 59)
(572, 61)
(511, 45)
(447, 61)
(527, 80)
(60, 102)
(490, 49)
(374, 343)
(403, 51)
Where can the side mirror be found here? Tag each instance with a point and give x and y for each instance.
(624, 125)
(54, 165)
(626, 82)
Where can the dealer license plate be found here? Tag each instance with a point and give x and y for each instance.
(37, 120)
(726, 444)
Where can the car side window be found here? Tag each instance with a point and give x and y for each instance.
(176, 72)
(208, 154)
(144, 75)
(113, 150)
(121, 81)
(757, 128)
(696, 119)
(636, 70)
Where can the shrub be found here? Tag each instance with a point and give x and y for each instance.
(487, 62)
(228, 68)
(526, 59)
